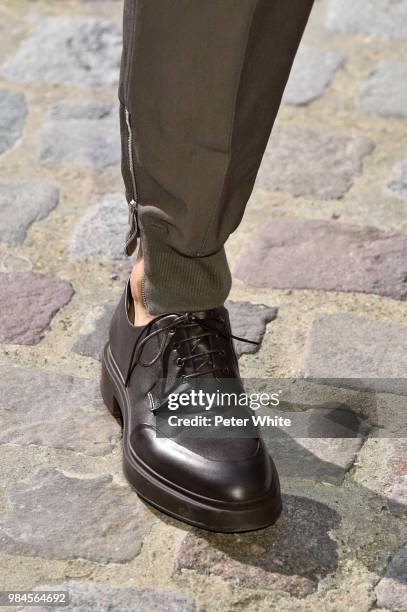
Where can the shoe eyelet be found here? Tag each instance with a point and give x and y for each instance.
(180, 361)
(171, 331)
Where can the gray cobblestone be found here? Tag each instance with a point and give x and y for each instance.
(81, 132)
(384, 93)
(22, 203)
(299, 160)
(249, 321)
(324, 459)
(346, 346)
(102, 230)
(312, 72)
(64, 517)
(62, 50)
(13, 111)
(48, 409)
(384, 18)
(94, 331)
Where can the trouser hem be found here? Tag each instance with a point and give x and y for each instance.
(174, 282)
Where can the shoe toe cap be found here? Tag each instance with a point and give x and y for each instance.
(210, 470)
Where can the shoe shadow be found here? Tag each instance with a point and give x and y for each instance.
(291, 556)
(300, 549)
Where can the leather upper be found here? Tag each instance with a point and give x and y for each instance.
(224, 468)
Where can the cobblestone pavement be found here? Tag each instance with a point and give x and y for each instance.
(322, 286)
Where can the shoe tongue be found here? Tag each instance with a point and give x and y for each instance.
(194, 339)
(195, 342)
(202, 339)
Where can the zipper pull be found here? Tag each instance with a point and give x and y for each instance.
(133, 217)
(134, 231)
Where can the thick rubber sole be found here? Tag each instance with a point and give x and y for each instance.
(181, 504)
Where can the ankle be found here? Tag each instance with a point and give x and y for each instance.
(138, 313)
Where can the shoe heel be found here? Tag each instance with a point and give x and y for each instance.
(107, 390)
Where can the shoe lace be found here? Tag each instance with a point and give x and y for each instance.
(185, 320)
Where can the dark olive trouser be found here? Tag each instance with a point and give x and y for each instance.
(201, 83)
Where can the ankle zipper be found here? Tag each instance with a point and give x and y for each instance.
(134, 231)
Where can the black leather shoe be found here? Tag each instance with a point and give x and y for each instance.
(225, 484)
